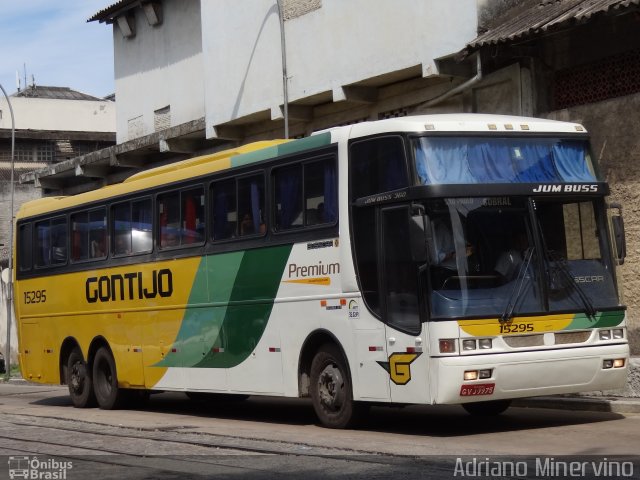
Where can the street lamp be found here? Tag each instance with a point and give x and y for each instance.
(283, 49)
(10, 278)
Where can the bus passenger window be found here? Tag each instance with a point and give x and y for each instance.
(169, 219)
(51, 242)
(121, 228)
(320, 188)
(251, 205)
(141, 231)
(24, 247)
(378, 165)
(98, 233)
(79, 236)
(224, 211)
(288, 197)
(43, 245)
(193, 225)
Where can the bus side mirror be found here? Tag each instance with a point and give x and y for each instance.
(617, 226)
(418, 240)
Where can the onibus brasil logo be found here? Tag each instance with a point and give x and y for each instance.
(34, 468)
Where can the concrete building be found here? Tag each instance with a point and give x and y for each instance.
(52, 124)
(194, 76)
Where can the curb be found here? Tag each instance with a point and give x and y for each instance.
(589, 404)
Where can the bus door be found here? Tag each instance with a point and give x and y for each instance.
(400, 237)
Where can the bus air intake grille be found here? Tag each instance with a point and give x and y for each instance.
(572, 337)
(521, 341)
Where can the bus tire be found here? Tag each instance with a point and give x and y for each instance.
(79, 380)
(487, 409)
(331, 390)
(105, 381)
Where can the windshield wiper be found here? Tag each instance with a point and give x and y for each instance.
(517, 290)
(560, 265)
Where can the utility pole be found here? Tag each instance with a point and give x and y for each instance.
(10, 278)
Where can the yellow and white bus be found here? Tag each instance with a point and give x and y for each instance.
(444, 259)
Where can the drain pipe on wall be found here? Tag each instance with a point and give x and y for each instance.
(460, 88)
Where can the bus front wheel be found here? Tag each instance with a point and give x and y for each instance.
(105, 381)
(331, 390)
(487, 409)
(79, 380)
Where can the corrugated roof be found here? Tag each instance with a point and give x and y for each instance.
(107, 13)
(56, 93)
(549, 15)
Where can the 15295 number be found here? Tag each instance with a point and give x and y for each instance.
(35, 296)
(516, 327)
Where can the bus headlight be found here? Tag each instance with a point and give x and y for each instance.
(618, 333)
(485, 343)
(468, 345)
(605, 334)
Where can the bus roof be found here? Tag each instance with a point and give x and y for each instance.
(466, 122)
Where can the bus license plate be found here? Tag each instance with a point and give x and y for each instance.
(478, 389)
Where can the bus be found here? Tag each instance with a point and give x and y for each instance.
(438, 259)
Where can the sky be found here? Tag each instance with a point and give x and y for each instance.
(57, 45)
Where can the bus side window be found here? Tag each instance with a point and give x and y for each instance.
(121, 228)
(378, 165)
(79, 236)
(51, 242)
(251, 205)
(375, 166)
(169, 219)
(98, 233)
(224, 211)
(24, 247)
(320, 190)
(141, 226)
(288, 197)
(193, 224)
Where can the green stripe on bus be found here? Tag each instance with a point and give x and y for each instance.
(308, 143)
(602, 320)
(295, 146)
(245, 283)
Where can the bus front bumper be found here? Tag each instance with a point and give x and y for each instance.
(528, 374)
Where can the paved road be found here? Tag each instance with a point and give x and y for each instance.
(174, 437)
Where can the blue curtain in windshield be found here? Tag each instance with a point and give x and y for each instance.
(490, 162)
(500, 160)
(442, 160)
(534, 163)
(569, 160)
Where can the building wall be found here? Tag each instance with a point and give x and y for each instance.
(59, 115)
(338, 44)
(160, 67)
(613, 125)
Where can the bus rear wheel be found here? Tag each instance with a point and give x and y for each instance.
(79, 380)
(331, 390)
(105, 381)
(487, 409)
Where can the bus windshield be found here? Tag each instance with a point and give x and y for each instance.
(489, 257)
(476, 160)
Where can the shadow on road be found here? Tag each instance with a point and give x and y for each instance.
(437, 421)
